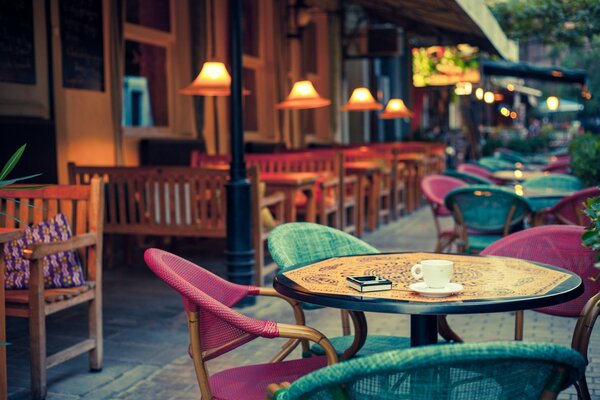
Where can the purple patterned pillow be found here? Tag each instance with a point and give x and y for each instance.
(60, 270)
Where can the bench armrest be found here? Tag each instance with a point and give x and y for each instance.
(40, 250)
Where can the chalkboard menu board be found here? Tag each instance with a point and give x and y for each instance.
(17, 50)
(82, 44)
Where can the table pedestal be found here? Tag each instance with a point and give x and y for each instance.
(423, 330)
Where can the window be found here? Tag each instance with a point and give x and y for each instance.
(147, 85)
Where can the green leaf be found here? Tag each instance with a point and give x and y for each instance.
(12, 217)
(12, 162)
(15, 180)
(31, 187)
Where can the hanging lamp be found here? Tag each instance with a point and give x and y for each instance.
(213, 80)
(395, 108)
(361, 100)
(552, 103)
(303, 96)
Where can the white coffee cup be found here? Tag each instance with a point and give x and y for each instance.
(436, 273)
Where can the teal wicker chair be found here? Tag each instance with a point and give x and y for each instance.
(554, 181)
(484, 214)
(476, 371)
(495, 164)
(559, 182)
(298, 243)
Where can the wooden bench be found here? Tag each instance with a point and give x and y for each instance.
(177, 201)
(333, 184)
(83, 208)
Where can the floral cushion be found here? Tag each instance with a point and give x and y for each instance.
(60, 270)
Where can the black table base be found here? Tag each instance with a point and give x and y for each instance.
(423, 330)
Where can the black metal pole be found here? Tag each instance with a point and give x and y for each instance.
(240, 255)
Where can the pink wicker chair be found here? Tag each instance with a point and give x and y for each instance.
(557, 245)
(216, 329)
(435, 188)
(569, 210)
(479, 171)
(559, 166)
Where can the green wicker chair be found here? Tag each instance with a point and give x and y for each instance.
(298, 243)
(559, 182)
(484, 214)
(554, 181)
(477, 371)
(495, 164)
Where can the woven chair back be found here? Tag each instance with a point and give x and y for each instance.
(302, 242)
(558, 245)
(554, 181)
(221, 328)
(569, 210)
(507, 370)
(487, 208)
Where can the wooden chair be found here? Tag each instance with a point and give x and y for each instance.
(83, 206)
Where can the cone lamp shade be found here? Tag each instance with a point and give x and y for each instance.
(303, 96)
(395, 108)
(361, 100)
(213, 80)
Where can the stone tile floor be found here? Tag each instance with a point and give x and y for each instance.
(146, 339)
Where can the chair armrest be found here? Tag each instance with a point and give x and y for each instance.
(272, 199)
(291, 344)
(40, 250)
(307, 333)
(350, 179)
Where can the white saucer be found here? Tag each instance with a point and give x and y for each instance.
(424, 290)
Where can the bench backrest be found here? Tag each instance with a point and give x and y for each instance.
(182, 201)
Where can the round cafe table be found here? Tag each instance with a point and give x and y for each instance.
(423, 314)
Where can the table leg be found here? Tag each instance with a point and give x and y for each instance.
(360, 222)
(374, 201)
(3, 372)
(423, 330)
(311, 205)
(290, 205)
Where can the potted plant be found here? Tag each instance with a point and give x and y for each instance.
(585, 158)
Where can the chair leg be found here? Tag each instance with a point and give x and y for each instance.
(345, 322)
(519, 321)
(37, 347)
(583, 392)
(96, 333)
(446, 331)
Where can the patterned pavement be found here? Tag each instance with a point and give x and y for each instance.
(146, 338)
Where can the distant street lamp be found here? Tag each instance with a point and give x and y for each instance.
(552, 102)
(488, 97)
(479, 93)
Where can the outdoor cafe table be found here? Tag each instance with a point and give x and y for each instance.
(516, 175)
(491, 284)
(292, 183)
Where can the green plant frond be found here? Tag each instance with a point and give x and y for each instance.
(31, 187)
(15, 180)
(12, 162)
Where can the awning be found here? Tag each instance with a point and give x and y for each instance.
(454, 21)
(524, 70)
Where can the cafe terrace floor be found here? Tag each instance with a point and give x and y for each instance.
(145, 345)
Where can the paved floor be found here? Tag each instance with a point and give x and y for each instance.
(146, 338)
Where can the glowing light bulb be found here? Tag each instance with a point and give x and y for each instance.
(488, 97)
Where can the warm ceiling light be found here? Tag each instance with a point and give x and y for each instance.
(505, 111)
(479, 93)
(513, 115)
(488, 97)
(510, 87)
(303, 96)
(463, 88)
(552, 102)
(395, 108)
(213, 80)
(361, 100)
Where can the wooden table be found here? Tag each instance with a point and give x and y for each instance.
(516, 175)
(6, 235)
(423, 314)
(369, 175)
(292, 183)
